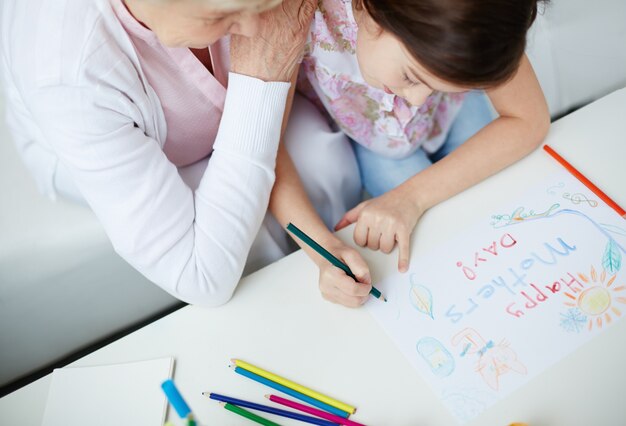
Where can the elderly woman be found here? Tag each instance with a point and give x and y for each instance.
(129, 106)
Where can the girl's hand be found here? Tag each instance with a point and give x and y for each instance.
(336, 286)
(383, 221)
(273, 54)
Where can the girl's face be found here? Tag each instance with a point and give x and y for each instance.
(386, 64)
(195, 24)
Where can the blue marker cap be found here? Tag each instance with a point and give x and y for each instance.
(175, 398)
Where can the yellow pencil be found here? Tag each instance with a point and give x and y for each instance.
(299, 388)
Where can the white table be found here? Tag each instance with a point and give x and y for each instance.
(278, 320)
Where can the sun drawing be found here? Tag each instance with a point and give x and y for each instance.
(597, 299)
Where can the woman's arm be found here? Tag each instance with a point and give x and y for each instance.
(193, 245)
(523, 124)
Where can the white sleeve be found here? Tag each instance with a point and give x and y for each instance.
(193, 245)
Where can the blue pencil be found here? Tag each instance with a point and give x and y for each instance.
(302, 397)
(268, 409)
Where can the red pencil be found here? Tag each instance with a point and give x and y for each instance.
(311, 410)
(585, 181)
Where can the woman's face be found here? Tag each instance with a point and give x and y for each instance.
(386, 64)
(193, 23)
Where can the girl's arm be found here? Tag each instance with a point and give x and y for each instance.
(289, 202)
(521, 127)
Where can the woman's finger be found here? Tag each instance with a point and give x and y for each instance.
(306, 12)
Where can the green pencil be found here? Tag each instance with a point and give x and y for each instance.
(247, 414)
(328, 256)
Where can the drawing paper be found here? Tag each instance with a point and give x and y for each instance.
(119, 394)
(515, 293)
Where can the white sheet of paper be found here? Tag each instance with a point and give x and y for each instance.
(487, 311)
(108, 395)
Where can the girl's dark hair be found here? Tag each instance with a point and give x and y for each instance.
(473, 43)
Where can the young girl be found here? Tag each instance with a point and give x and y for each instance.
(407, 80)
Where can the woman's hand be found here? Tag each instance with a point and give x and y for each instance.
(383, 221)
(336, 286)
(273, 54)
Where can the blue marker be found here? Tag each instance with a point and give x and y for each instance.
(176, 400)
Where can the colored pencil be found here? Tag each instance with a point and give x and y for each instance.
(268, 409)
(295, 386)
(310, 410)
(328, 256)
(578, 175)
(290, 392)
(247, 414)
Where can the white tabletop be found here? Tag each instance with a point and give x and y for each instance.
(278, 320)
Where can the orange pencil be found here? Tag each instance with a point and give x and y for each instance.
(585, 181)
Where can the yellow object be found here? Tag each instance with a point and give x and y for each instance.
(518, 424)
(299, 388)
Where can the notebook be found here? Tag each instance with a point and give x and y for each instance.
(106, 395)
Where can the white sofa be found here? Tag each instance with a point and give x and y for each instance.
(62, 288)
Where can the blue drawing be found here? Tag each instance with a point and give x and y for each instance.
(573, 320)
(612, 258)
(614, 229)
(551, 190)
(465, 349)
(484, 349)
(615, 251)
(436, 356)
(467, 403)
(519, 215)
(421, 298)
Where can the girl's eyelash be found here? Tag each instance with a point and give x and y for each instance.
(408, 80)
